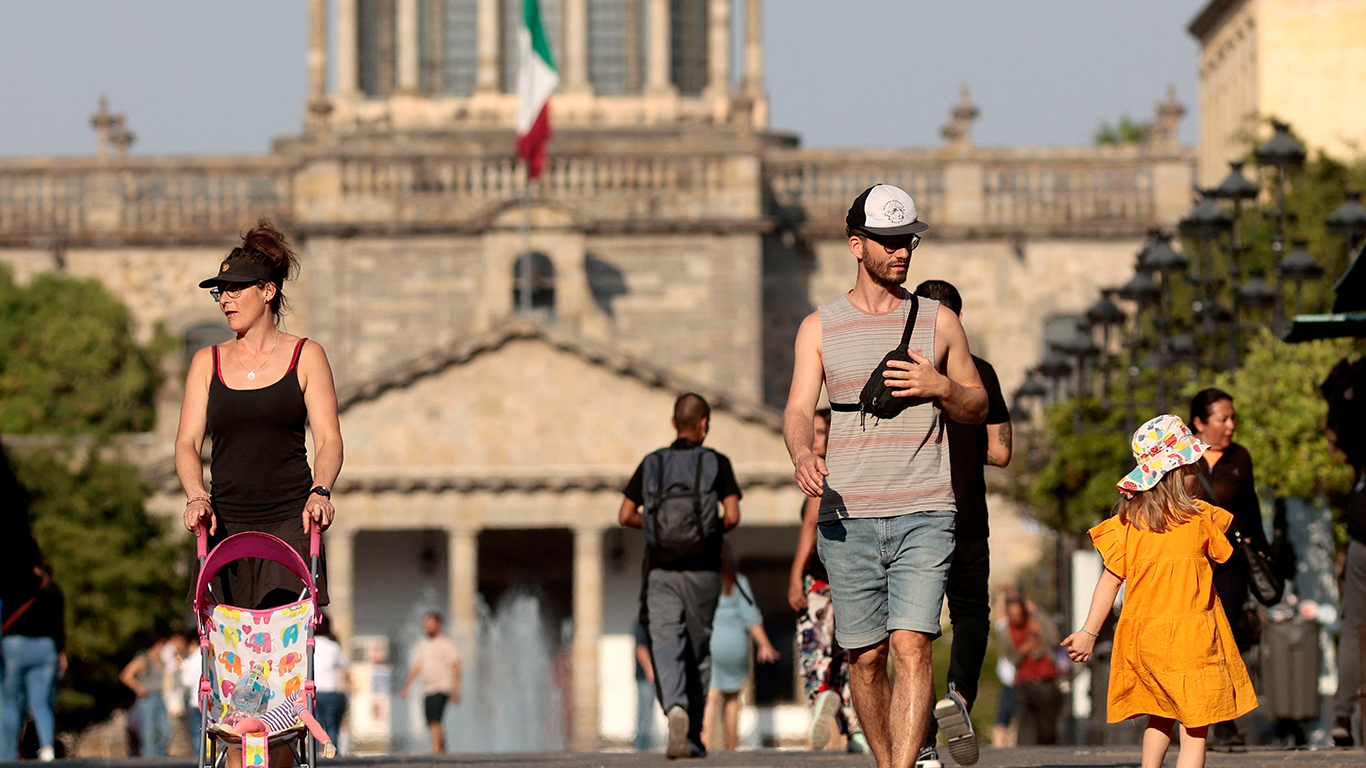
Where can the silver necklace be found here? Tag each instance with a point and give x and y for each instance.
(251, 374)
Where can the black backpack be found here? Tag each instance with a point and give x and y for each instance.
(680, 515)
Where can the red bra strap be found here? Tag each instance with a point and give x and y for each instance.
(217, 367)
(297, 349)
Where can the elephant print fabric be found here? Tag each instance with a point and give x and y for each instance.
(275, 638)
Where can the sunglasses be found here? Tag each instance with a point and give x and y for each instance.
(216, 293)
(894, 244)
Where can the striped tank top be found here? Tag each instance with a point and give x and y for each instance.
(880, 467)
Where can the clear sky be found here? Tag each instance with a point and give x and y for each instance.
(226, 77)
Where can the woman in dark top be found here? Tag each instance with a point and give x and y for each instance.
(1227, 467)
(254, 395)
(34, 655)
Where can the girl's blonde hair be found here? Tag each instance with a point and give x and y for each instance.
(1162, 507)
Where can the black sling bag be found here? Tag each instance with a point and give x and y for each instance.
(877, 399)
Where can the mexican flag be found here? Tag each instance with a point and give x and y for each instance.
(537, 79)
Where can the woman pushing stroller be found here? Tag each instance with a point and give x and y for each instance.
(254, 394)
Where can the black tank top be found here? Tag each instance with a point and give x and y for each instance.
(259, 462)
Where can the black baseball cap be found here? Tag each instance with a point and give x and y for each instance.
(883, 209)
(236, 268)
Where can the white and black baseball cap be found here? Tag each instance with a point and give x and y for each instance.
(883, 209)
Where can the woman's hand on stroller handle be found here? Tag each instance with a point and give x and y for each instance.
(199, 511)
(318, 510)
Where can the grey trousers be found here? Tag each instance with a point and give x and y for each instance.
(1353, 613)
(676, 609)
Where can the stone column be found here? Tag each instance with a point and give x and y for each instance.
(587, 632)
(407, 45)
(659, 76)
(341, 590)
(576, 47)
(462, 558)
(753, 78)
(318, 105)
(348, 48)
(718, 52)
(487, 78)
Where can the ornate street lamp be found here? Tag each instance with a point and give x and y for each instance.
(1349, 222)
(1029, 394)
(1143, 292)
(1281, 152)
(1056, 369)
(1104, 314)
(1299, 266)
(1256, 292)
(1235, 188)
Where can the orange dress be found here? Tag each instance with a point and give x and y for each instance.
(1174, 654)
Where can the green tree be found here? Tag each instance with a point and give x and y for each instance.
(1281, 413)
(115, 564)
(1126, 131)
(68, 360)
(1070, 484)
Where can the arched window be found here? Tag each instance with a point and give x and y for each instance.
(204, 335)
(540, 281)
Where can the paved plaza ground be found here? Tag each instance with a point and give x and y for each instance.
(1027, 757)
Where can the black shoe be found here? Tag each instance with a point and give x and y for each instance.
(928, 758)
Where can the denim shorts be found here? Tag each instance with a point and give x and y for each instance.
(886, 573)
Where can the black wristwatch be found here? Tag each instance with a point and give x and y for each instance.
(322, 491)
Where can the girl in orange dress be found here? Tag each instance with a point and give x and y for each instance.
(1174, 655)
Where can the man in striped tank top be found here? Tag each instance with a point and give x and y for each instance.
(886, 522)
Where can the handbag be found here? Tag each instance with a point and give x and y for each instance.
(877, 399)
(1267, 585)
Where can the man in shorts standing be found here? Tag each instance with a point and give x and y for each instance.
(886, 523)
(437, 661)
(972, 447)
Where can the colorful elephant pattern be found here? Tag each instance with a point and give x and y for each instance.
(239, 637)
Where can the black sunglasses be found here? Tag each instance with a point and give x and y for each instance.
(894, 244)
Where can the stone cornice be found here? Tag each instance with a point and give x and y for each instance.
(502, 482)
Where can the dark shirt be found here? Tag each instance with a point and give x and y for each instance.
(968, 456)
(1355, 514)
(45, 617)
(1236, 492)
(725, 485)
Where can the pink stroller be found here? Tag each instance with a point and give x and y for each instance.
(273, 646)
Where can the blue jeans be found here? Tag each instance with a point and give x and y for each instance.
(154, 725)
(331, 706)
(645, 714)
(887, 573)
(30, 671)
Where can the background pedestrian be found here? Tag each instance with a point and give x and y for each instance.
(146, 677)
(738, 622)
(436, 661)
(330, 678)
(34, 650)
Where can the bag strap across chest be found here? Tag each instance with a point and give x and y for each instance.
(904, 346)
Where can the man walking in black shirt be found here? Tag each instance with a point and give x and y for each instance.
(971, 447)
(682, 579)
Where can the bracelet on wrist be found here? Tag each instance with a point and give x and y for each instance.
(199, 498)
(1089, 632)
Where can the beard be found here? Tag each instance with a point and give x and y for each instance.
(881, 271)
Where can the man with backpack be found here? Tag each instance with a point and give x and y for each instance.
(684, 497)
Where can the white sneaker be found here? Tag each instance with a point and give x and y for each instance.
(46, 755)
(678, 735)
(823, 718)
(928, 758)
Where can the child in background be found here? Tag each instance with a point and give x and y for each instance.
(1174, 656)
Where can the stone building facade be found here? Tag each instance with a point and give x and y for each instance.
(676, 242)
(1300, 61)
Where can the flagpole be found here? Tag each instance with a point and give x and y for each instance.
(524, 305)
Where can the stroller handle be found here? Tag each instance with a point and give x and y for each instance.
(201, 543)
